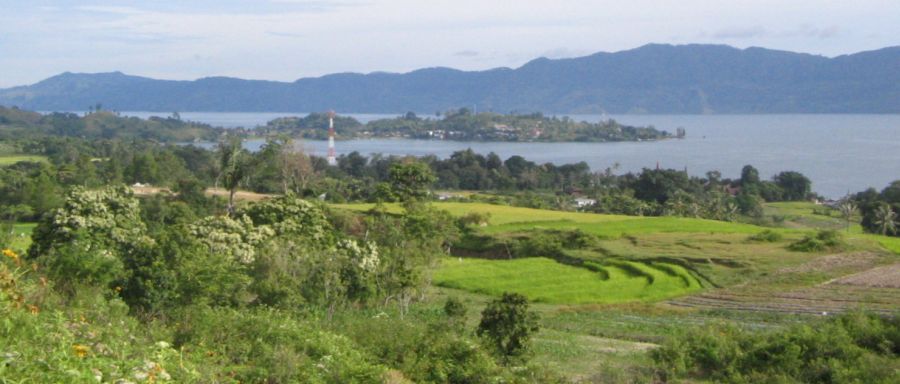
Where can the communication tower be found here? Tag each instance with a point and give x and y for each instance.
(332, 155)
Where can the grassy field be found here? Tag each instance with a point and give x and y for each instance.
(803, 214)
(548, 281)
(509, 219)
(6, 160)
(21, 238)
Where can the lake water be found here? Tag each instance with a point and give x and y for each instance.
(839, 153)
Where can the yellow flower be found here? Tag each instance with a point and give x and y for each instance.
(81, 350)
(12, 255)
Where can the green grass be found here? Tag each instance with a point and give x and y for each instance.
(502, 214)
(545, 280)
(800, 214)
(890, 243)
(508, 219)
(6, 160)
(615, 227)
(21, 238)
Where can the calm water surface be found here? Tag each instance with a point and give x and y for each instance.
(839, 153)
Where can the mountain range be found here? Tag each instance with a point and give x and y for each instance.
(654, 79)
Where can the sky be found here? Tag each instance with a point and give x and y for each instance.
(285, 40)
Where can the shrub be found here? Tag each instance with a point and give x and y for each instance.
(269, 346)
(768, 236)
(821, 241)
(90, 339)
(852, 348)
(540, 244)
(507, 325)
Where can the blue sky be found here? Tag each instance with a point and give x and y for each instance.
(288, 39)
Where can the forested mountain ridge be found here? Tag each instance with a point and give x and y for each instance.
(650, 79)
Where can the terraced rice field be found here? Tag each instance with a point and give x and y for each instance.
(548, 281)
(758, 277)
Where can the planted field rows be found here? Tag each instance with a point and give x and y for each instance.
(826, 298)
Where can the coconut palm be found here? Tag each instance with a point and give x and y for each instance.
(885, 219)
(233, 164)
(847, 209)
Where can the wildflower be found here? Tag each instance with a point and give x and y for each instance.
(33, 309)
(11, 254)
(81, 350)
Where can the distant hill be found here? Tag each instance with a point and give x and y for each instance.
(654, 78)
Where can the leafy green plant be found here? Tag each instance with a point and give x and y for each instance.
(821, 241)
(855, 347)
(768, 236)
(507, 326)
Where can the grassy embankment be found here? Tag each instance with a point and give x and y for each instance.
(7, 160)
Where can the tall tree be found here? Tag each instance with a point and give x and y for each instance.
(233, 161)
(410, 180)
(794, 185)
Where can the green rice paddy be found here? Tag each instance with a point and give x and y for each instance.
(548, 281)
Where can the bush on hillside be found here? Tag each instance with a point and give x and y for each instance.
(507, 326)
(768, 236)
(821, 241)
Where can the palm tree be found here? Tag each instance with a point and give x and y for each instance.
(233, 166)
(847, 209)
(885, 219)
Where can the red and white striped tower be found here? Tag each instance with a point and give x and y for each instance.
(332, 155)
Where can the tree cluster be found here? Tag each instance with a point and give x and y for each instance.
(464, 125)
(879, 210)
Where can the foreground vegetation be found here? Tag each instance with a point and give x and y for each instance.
(665, 279)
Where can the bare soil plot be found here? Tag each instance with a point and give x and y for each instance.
(834, 262)
(822, 299)
(149, 190)
(239, 195)
(887, 276)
